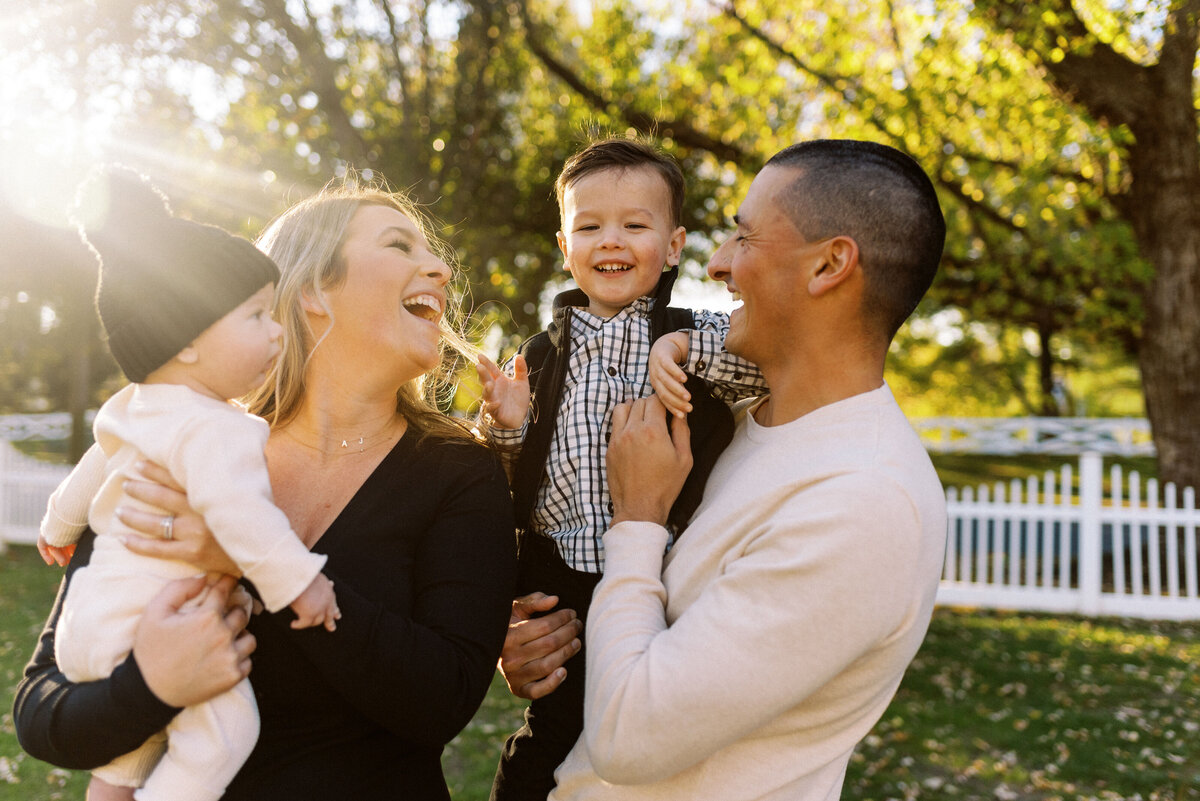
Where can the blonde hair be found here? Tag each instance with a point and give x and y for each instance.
(306, 242)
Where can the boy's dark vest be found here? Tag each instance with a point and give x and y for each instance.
(547, 355)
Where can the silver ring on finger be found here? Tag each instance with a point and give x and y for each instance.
(168, 527)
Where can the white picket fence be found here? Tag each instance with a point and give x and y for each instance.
(1035, 545)
(25, 486)
(1030, 545)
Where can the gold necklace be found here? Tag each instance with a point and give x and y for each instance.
(350, 445)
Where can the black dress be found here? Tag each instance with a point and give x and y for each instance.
(423, 563)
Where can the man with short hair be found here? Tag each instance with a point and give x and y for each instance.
(750, 660)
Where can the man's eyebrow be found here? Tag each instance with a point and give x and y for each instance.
(737, 219)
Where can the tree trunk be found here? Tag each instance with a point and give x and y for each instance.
(1046, 373)
(1164, 208)
(1166, 183)
(1158, 105)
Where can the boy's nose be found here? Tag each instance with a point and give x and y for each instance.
(612, 238)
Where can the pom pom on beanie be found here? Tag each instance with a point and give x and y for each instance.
(163, 279)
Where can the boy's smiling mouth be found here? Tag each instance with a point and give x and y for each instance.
(613, 267)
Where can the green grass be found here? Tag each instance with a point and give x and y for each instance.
(996, 706)
(27, 590)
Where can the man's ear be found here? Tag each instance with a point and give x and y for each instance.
(839, 263)
(189, 355)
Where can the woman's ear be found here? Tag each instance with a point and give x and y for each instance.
(310, 302)
(839, 263)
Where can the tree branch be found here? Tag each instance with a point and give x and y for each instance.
(324, 80)
(1110, 86)
(401, 75)
(681, 130)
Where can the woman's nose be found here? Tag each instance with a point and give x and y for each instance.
(437, 268)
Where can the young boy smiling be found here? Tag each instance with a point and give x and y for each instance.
(620, 203)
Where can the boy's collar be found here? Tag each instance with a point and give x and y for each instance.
(577, 297)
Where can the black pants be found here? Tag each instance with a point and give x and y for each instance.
(553, 722)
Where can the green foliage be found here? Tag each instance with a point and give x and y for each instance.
(946, 366)
(473, 107)
(29, 588)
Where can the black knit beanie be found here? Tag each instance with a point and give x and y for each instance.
(163, 280)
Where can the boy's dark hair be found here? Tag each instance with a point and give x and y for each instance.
(621, 153)
(884, 201)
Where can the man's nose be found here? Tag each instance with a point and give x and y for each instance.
(718, 265)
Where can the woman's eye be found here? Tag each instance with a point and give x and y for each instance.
(404, 247)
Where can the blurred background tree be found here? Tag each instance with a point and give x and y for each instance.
(1062, 139)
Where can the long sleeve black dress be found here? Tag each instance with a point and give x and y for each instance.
(423, 561)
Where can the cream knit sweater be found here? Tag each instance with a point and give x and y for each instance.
(781, 625)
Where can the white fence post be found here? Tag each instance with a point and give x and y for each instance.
(3, 497)
(1091, 551)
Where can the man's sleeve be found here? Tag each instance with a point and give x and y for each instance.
(809, 595)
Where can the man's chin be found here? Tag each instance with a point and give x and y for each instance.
(734, 344)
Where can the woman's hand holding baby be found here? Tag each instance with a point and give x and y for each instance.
(191, 541)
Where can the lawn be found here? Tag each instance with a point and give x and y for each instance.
(995, 706)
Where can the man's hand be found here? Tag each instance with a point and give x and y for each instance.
(647, 461)
(537, 647)
(505, 398)
(668, 352)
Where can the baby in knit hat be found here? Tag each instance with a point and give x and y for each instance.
(186, 309)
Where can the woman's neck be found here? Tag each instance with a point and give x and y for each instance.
(335, 420)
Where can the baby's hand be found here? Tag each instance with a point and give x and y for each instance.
(668, 352)
(505, 398)
(53, 554)
(316, 605)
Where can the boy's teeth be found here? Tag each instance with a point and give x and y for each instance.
(612, 268)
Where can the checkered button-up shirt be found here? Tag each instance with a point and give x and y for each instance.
(609, 364)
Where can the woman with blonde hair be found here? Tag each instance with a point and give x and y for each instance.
(412, 511)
